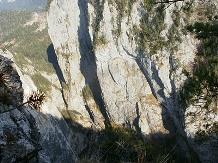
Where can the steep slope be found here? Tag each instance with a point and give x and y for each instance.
(25, 34)
(27, 134)
(129, 58)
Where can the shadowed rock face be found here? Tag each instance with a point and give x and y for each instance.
(10, 84)
(15, 143)
(25, 134)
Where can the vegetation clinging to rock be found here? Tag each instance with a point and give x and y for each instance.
(202, 84)
(124, 144)
(48, 4)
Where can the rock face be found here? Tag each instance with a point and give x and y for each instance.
(120, 63)
(25, 134)
(111, 77)
(99, 52)
(124, 83)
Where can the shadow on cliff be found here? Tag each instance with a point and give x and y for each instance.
(119, 144)
(172, 115)
(52, 58)
(170, 105)
(88, 65)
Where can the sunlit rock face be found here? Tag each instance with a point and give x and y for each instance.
(113, 77)
(119, 87)
(26, 134)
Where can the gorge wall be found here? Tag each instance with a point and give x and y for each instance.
(122, 64)
(27, 135)
(118, 64)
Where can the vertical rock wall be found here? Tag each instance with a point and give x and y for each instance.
(98, 48)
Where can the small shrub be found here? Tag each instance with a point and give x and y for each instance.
(36, 100)
(148, 33)
(100, 41)
(122, 144)
(116, 32)
(48, 4)
(87, 92)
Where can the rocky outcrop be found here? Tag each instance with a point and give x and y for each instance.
(71, 63)
(25, 133)
(131, 80)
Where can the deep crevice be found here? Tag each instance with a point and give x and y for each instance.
(52, 58)
(137, 119)
(166, 102)
(88, 65)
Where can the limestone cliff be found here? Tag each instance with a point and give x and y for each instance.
(122, 64)
(27, 135)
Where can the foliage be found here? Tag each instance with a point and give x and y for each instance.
(201, 136)
(173, 34)
(87, 92)
(70, 115)
(98, 10)
(36, 99)
(12, 20)
(203, 82)
(204, 30)
(148, 34)
(27, 43)
(124, 9)
(48, 4)
(209, 130)
(116, 32)
(121, 144)
(188, 2)
(23, 5)
(150, 3)
(202, 85)
(100, 40)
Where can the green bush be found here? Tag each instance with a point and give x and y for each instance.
(98, 11)
(87, 92)
(122, 144)
(100, 41)
(148, 33)
(203, 82)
